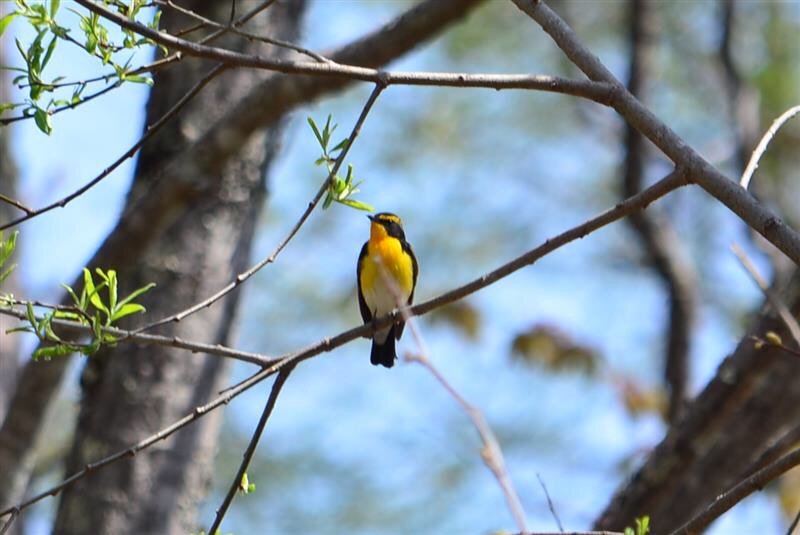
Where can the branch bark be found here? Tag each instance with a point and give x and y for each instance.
(682, 155)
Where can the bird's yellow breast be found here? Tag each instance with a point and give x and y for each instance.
(397, 263)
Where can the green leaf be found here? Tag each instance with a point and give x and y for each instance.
(126, 310)
(139, 80)
(48, 353)
(54, 5)
(136, 293)
(42, 120)
(327, 202)
(7, 246)
(50, 48)
(6, 273)
(5, 21)
(66, 315)
(342, 144)
(316, 131)
(71, 292)
(93, 290)
(358, 205)
(31, 315)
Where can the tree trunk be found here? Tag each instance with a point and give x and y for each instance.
(130, 392)
(753, 400)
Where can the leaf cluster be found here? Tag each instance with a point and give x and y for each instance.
(96, 42)
(98, 307)
(340, 189)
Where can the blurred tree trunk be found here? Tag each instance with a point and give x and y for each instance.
(130, 392)
(752, 402)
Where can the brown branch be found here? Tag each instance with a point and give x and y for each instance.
(234, 30)
(738, 493)
(15, 203)
(491, 452)
(699, 170)
(550, 504)
(283, 375)
(150, 132)
(777, 303)
(599, 92)
(624, 208)
(122, 335)
(240, 278)
(71, 106)
(661, 244)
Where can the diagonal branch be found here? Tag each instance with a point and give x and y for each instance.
(624, 208)
(240, 278)
(745, 488)
(699, 170)
(283, 375)
(150, 132)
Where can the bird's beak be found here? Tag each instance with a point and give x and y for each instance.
(371, 217)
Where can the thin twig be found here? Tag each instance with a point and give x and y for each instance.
(241, 277)
(777, 303)
(550, 503)
(752, 165)
(150, 132)
(701, 172)
(789, 531)
(491, 453)
(148, 339)
(15, 203)
(738, 493)
(72, 105)
(250, 36)
(596, 91)
(283, 375)
(628, 206)
(14, 514)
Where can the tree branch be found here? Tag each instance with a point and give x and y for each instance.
(151, 339)
(283, 375)
(752, 165)
(626, 207)
(699, 170)
(240, 278)
(724, 502)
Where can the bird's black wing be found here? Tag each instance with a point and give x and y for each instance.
(398, 331)
(366, 313)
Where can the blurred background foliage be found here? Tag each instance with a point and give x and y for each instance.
(563, 357)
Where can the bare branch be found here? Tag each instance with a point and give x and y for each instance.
(292, 232)
(777, 303)
(738, 493)
(550, 503)
(150, 132)
(148, 339)
(250, 36)
(752, 165)
(698, 169)
(637, 202)
(283, 375)
(15, 204)
(599, 92)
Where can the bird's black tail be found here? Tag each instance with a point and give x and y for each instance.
(384, 354)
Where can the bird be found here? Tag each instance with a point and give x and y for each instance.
(386, 254)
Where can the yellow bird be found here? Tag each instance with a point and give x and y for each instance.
(386, 254)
